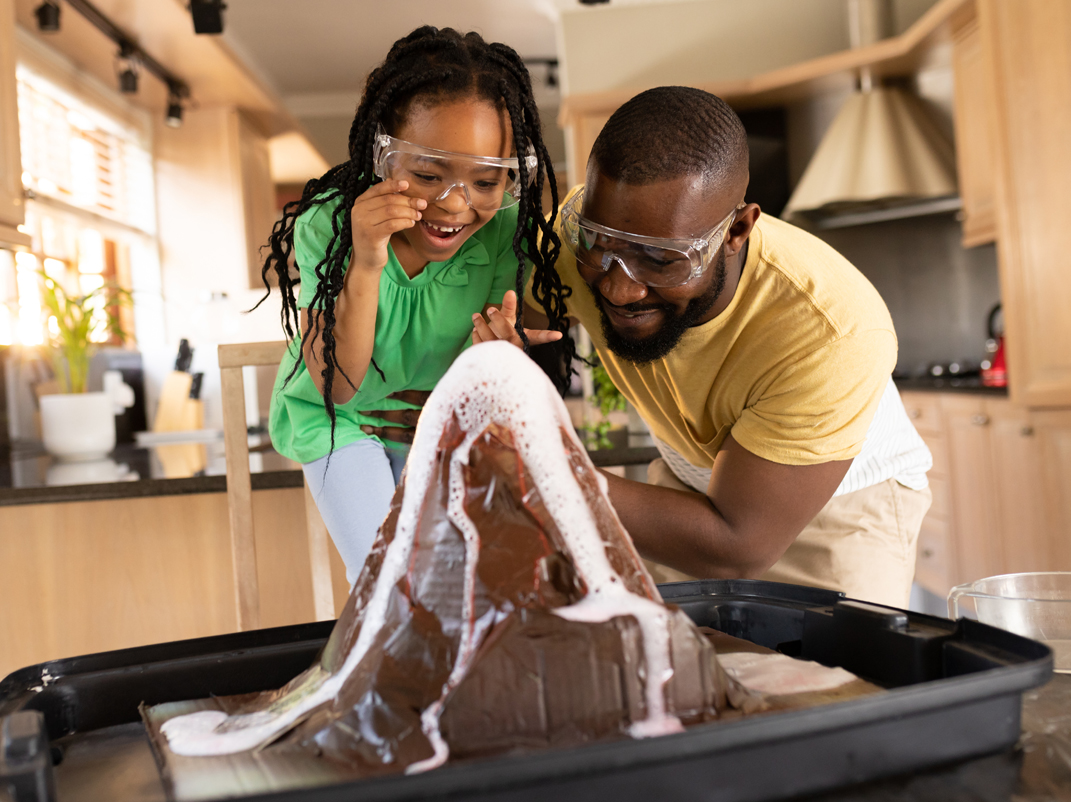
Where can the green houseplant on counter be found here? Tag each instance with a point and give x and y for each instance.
(607, 398)
(76, 424)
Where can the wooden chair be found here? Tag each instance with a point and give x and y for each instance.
(232, 358)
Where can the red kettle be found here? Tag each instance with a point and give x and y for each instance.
(994, 369)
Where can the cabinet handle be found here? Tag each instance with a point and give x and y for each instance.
(1027, 431)
(914, 414)
(980, 420)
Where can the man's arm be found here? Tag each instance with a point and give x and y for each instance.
(751, 513)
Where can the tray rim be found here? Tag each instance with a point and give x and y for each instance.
(709, 739)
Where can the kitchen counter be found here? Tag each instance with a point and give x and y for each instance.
(28, 475)
(950, 384)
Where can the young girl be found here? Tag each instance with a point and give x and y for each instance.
(400, 250)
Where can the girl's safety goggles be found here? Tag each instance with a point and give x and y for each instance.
(654, 261)
(487, 183)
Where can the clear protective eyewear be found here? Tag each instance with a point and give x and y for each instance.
(654, 261)
(487, 183)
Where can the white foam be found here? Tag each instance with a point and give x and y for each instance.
(489, 383)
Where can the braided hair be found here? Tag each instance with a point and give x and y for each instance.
(429, 66)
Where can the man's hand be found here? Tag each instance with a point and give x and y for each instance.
(500, 322)
(404, 420)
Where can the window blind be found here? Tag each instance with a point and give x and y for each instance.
(81, 157)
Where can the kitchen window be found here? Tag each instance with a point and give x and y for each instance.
(90, 207)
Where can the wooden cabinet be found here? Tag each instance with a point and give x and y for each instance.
(973, 485)
(935, 565)
(1026, 55)
(11, 209)
(974, 144)
(1052, 430)
(111, 574)
(1001, 483)
(1024, 530)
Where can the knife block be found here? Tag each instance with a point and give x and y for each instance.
(176, 411)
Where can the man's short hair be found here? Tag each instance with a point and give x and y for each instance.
(670, 132)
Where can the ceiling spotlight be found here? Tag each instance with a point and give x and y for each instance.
(126, 67)
(174, 113)
(128, 81)
(207, 15)
(48, 16)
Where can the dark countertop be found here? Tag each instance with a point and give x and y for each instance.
(28, 475)
(950, 384)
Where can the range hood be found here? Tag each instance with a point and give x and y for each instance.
(884, 156)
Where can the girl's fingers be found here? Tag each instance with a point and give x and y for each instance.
(387, 187)
(542, 336)
(398, 434)
(380, 201)
(373, 217)
(484, 332)
(388, 227)
(502, 325)
(509, 306)
(415, 397)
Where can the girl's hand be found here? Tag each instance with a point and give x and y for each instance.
(499, 326)
(380, 211)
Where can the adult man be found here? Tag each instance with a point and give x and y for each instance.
(760, 358)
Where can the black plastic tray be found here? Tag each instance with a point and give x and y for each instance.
(955, 692)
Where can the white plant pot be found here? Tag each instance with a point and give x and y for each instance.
(78, 426)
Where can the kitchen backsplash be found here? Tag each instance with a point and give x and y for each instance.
(939, 294)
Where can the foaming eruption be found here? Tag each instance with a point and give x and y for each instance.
(503, 606)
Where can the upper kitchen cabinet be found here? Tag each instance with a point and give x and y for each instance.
(974, 138)
(11, 209)
(1026, 53)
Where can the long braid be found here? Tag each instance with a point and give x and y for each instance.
(437, 65)
(547, 289)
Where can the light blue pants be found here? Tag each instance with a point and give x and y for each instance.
(353, 496)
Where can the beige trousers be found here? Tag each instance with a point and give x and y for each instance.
(862, 543)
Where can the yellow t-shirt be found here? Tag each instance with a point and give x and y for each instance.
(794, 367)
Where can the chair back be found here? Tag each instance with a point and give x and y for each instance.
(232, 358)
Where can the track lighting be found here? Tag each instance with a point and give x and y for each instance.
(174, 113)
(126, 67)
(207, 15)
(48, 16)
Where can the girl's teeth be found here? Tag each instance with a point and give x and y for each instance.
(444, 230)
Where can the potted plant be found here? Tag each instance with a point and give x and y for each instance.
(76, 424)
(607, 398)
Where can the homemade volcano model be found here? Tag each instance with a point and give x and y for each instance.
(502, 607)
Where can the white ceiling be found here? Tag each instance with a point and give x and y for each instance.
(316, 54)
(325, 48)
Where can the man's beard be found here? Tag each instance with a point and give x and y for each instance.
(640, 351)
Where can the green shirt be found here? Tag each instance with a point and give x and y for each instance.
(422, 324)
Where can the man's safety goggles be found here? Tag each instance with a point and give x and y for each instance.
(654, 261)
(487, 183)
